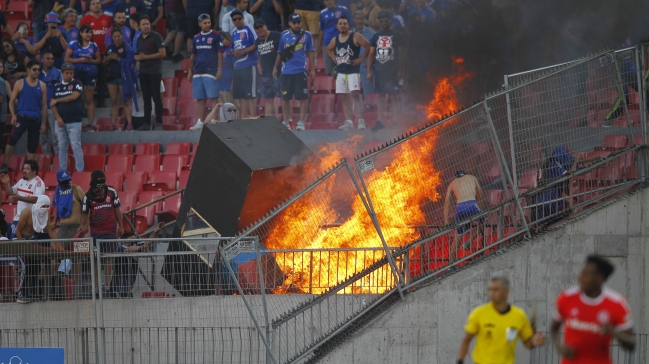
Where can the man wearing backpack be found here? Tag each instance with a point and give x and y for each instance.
(67, 200)
(295, 46)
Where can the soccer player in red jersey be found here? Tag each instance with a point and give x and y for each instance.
(592, 315)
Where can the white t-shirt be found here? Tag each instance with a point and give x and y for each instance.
(32, 188)
(227, 25)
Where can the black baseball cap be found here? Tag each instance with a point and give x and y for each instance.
(383, 14)
(236, 12)
(259, 23)
(294, 17)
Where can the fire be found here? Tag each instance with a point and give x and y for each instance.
(333, 215)
(444, 100)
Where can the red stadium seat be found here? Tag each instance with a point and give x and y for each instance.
(161, 181)
(493, 197)
(631, 172)
(371, 101)
(174, 163)
(140, 224)
(323, 104)
(187, 109)
(184, 177)
(10, 211)
(115, 180)
(120, 148)
(173, 127)
(529, 178)
(169, 120)
(323, 85)
(169, 105)
(50, 180)
(172, 204)
(148, 196)
(185, 88)
(56, 165)
(148, 213)
(94, 162)
(16, 163)
(128, 198)
(93, 149)
(171, 86)
(44, 162)
(119, 163)
(147, 148)
(134, 181)
(178, 148)
(82, 179)
(613, 142)
(185, 64)
(17, 10)
(147, 163)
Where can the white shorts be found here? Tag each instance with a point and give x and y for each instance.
(348, 83)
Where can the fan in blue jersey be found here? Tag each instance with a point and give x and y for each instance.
(119, 22)
(293, 79)
(328, 26)
(66, 106)
(244, 83)
(205, 67)
(85, 56)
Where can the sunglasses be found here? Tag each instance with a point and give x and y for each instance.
(236, 19)
(231, 110)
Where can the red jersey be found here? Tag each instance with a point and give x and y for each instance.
(102, 212)
(99, 29)
(583, 318)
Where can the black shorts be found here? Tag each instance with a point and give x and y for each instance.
(33, 129)
(244, 83)
(385, 83)
(294, 85)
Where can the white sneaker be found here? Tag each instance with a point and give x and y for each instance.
(300, 125)
(287, 124)
(361, 124)
(198, 126)
(347, 125)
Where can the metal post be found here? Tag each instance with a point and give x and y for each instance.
(262, 285)
(511, 135)
(176, 346)
(504, 170)
(642, 90)
(617, 80)
(370, 209)
(252, 314)
(101, 304)
(94, 299)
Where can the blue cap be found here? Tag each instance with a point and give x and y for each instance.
(63, 175)
(294, 17)
(52, 18)
(235, 12)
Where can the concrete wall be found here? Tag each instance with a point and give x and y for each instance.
(427, 326)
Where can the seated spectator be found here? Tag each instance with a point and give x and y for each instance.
(120, 65)
(15, 62)
(52, 40)
(33, 224)
(67, 108)
(24, 43)
(225, 112)
(84, 55)
(125, 268)
(69, 24)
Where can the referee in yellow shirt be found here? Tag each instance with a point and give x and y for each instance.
(497, 325)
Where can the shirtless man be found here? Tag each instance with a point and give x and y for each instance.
(468, 193)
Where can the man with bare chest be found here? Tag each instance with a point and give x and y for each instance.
(468, 193)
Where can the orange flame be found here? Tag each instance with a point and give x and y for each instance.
(444, 100)
(333, 215)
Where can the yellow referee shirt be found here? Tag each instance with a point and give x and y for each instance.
(496, 333)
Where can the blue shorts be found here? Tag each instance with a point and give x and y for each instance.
(115, 81)
(205, 87)
(88, 77)
(11, 232)
(270, 88)
(465, 210)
